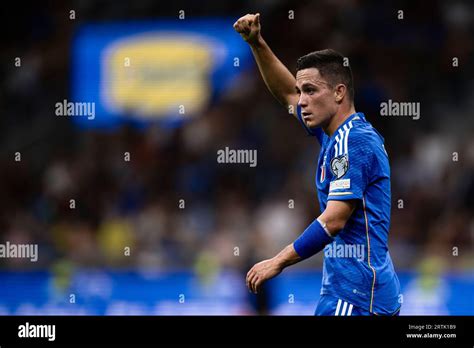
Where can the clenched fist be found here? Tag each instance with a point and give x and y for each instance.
(248, 27)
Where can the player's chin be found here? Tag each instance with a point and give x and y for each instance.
(312, 123)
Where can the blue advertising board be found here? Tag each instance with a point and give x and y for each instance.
(165, 71)
(100, 292)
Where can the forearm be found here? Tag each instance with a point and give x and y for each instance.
(287, 257)
(323, 229)
(276, 76)
(313, 240)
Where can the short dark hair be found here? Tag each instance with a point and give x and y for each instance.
(330, 65)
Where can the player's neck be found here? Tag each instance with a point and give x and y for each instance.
(338, 119)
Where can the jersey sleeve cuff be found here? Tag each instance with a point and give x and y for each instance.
(343, 196)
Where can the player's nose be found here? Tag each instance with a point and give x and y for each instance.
(302, 101)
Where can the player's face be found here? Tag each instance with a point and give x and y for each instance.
(317, 99)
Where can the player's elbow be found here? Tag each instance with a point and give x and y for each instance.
(336, 215)
(335, 225)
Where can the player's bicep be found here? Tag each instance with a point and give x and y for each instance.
(336, 214)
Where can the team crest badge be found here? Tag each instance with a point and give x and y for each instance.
(339, 166)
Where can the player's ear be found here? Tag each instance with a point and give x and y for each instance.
(340, 92)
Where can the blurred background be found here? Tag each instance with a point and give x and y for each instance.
(128, 205)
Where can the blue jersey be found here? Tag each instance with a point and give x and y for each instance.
(353, 165)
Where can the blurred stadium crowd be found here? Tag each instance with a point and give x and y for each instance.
(173, 205)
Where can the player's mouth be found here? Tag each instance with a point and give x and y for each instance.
(306, 115)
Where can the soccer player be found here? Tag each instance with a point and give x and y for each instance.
(352, 179)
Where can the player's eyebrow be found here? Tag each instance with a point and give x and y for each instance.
(305, 86)
(311, 84)
(308, 84)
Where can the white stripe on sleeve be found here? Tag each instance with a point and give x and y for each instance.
(338, 307)
(349, 311)
(347, 138)
(343, 312)
(344, 145)
(341, 141)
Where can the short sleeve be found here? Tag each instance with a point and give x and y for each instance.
(317, 132)
(350, 167)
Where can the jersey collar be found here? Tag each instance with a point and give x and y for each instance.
(353, 117)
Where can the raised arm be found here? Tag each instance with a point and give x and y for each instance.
(277, 77)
